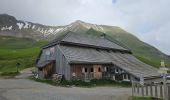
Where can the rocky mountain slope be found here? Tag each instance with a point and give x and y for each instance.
(10, 26)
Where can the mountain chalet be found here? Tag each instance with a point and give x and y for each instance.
(85, 57)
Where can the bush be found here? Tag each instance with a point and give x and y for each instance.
(95, 82)
(126, 84)
(80, 83)
(102, 81)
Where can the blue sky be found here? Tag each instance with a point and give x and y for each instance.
(149, 20)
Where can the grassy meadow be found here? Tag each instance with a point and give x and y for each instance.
(18, 50)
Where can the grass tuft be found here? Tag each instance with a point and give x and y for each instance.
(143, 98)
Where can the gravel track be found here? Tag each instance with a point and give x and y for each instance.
(23, 89)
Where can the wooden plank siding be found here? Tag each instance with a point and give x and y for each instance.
(62, 65)
(77, 69)
(49, 69)
(90, 71)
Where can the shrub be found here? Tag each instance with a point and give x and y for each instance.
(80, 83)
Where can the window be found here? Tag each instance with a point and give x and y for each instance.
(91, 70)
(126, 76)
(99, 69)
(40, 69)
(85, 69)
(116, 70)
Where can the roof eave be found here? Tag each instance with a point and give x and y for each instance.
(85, 62)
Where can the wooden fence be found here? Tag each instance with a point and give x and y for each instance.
(151, 90)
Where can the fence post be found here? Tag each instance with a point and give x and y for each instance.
(146, 90)
(133, 88)
(142, 90)
(156, 91)
(138, 88)
(151, 92)
(161, 92)
(168, 92)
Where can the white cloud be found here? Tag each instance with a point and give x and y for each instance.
(147, 19)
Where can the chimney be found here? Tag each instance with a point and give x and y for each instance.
(103, 35)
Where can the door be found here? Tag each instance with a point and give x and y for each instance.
(97, 71)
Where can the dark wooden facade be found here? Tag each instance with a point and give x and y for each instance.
(97, 71)
(48, 70)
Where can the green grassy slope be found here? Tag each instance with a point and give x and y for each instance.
(141, 50)
(22, 50)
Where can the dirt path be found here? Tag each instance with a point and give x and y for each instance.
(25, 73)
(23, 89)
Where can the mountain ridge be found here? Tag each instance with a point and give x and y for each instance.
(40, 31)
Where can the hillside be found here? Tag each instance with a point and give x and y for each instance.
(13, 50)
(29, 36)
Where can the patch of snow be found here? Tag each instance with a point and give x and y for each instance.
(2, 28)
(101, 28)
(42, 31)
(33, 26)
(69, 26)
(58, 30)
(6, 28)
(45, 31)
(96, 27)
(38, 29)
(10, 28)
(26, 25)
(51, 30)
(20, 25)
(65, 29)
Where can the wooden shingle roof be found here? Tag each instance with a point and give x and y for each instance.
(72, 38)
(125, 61)
(91, 41)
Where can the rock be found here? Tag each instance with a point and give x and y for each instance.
(57, 78)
